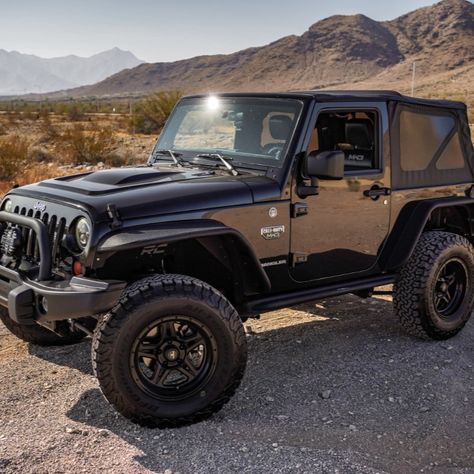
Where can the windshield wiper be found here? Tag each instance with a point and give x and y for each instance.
(218, 157)
(173, 154)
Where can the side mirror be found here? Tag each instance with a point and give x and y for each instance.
(325, 165)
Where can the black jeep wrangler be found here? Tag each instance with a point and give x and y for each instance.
(248, 203)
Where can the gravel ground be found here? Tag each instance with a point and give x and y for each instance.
(330, 387)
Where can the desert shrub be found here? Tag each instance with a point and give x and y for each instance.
(13, 155)
(39, 155)
(37, 172)
(150, 114)
(48, 131)
(12, 118)
(121, 123)
(74, 113)
(30, 115)
(114, 160)
(80, 146)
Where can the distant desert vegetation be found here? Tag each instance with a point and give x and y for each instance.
(40, 140)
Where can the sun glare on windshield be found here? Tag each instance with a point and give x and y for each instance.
(213, 102)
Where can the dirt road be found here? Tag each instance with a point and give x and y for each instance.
(330, 387)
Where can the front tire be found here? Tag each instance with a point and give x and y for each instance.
(434, 293)
(172, 352)
(36, 334)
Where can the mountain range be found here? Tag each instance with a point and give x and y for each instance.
(25, 73)
(340, 51)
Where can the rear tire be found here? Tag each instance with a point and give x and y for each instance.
(434, 293)
(172, 352)
(36, 334)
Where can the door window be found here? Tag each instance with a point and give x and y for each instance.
(355, 132)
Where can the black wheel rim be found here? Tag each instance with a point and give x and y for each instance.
(174, 358)
(450, 288)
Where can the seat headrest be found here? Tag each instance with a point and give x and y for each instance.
(359, 133)
(280, 127)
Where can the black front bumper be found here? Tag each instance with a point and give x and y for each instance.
(30, 301)
(49, 299)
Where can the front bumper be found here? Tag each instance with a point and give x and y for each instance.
(47, 299)
(30, 301)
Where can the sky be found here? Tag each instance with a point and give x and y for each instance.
(159, 30)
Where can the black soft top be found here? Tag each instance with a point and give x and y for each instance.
(351, 96)
(392, 96)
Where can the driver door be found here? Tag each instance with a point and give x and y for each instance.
(341, 230)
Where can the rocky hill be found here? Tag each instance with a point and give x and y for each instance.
(340, 51)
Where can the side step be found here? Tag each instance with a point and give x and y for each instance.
(284, 300)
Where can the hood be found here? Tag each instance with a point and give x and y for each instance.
(146, 191)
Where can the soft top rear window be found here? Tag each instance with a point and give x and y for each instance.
(427, 147)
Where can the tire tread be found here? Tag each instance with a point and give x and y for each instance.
(137, 293)
(410, 285)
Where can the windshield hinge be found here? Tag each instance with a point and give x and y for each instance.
(114, 216)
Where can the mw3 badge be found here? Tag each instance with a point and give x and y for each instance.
(272, 232)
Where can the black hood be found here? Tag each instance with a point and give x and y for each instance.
(148, 191)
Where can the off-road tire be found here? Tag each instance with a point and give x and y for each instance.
(145, 303)
(414, 290)
(36, 334)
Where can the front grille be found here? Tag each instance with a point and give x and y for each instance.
(56, 229)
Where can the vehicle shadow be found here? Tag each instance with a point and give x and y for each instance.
(76, 356)
(349, 382)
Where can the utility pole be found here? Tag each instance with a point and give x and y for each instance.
(413, 78)
(132, 122)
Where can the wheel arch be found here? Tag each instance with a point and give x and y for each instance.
(454, 214)
(187, 240)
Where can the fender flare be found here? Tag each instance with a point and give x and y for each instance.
(132, 238)
(409, 226)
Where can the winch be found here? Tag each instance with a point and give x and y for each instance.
(11, 240)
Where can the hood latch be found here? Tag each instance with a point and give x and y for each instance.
(114, 216)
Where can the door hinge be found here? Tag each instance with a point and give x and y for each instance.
(299, 209)
(298, 257)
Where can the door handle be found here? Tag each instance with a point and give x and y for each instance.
(376, 191)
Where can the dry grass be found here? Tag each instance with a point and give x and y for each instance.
(37, 147)
(81, 146)
(13, 153)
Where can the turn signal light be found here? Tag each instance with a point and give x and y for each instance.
(77, 268)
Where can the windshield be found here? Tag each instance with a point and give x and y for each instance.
(247, 130)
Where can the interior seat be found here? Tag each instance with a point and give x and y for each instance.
(359, 141)
(280, 128)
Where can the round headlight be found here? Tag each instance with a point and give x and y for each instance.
(7, 205)
(83, 233)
